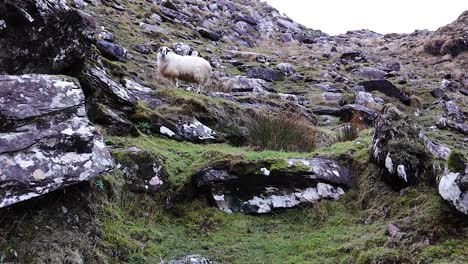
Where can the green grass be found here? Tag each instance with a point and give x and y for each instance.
(183, 158)
(137, 229)
(325, 234)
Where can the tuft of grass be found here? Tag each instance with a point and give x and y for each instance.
(283, 132)
(350, 131)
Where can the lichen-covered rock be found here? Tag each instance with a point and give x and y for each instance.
(265, 186)
(46, 140)
(397, 149)
(439, 151)
(453, 187)
(143, 171)
(42, 36)
(191, 259)
(242, 84)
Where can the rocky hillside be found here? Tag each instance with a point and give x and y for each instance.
(302, 148)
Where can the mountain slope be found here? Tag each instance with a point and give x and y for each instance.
(342, 94)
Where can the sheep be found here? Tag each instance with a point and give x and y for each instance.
(187, 68)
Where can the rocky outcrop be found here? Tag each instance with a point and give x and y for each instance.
(397, 149)
(44, 36)
(450, 39)
(100, 87)
(265, 186)
(46, 140)
(108, 102)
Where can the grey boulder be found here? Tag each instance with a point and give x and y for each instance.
(191, 259)
(46, 140)
(268, 75)
(453, 187)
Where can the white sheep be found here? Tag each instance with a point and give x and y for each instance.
(187, 68)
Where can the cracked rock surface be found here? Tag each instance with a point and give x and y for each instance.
(46, 140)
(263, 187)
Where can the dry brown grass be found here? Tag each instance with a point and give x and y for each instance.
(350, 131)
(215, 85)
(281, 132)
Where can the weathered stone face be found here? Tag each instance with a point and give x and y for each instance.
(46, 140)
(42, 36)
(453, 187)
(262, 187)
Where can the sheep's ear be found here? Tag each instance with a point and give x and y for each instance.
(160, 49)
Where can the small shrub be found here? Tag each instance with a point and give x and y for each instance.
(348, 98)
(144, 127)
(282, 132)
(347, 133)
(456, 162)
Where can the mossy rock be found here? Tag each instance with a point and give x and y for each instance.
(456, 162)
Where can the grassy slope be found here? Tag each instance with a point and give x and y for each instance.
(137, 228)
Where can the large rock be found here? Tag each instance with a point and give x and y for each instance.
(398, 150)
(386, 88)
(265, 186)
(265, 74)
(42, 36)
(209, 34)
(46, 140)
(112, 51)
(453, 187)
(370, 73)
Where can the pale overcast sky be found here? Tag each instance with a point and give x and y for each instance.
(394, 16)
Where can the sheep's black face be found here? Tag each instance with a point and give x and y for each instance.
(163, 51)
